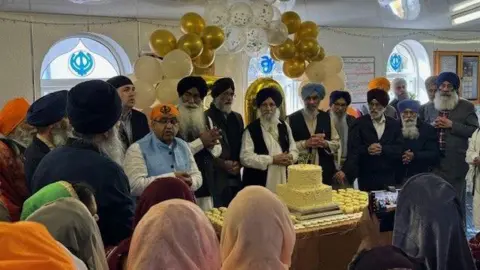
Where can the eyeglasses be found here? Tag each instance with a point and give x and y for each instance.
(165, 121)
(446, 86)
(228, 95)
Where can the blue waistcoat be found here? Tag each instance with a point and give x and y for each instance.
(160, 158)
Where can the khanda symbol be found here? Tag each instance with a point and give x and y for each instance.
(165, 110)
(81, 63)
(267, 64)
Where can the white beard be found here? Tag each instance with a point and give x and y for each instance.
(23, 136)
(445, 103)
(270, 120)
(112, 146)
(223, 107)
(191, 121)
(60, 136)
(410, 130)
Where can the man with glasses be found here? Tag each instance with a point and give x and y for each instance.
(420, 147)
(268, 146)
(375, 145)
(161, 154)
(313, 133)
(227, 167)
(455, 121)
(401, 93)
(196, 128)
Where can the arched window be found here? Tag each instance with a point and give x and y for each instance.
(80, 58)
(265, 66)
(409, 60)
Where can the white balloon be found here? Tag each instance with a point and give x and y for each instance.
(235, 39)
(148, 69)
(277, 33)
(285, 5)
(145, 94)
(241, 14)
(217, 14)
(257, 40)
(166, 91)
(277, 14)
(262, 14)
(178, 64)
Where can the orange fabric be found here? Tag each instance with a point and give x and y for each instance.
(353, 112)
(12, 114)
(13, 186)
(379, 83)
(28, 245)
(164, 110)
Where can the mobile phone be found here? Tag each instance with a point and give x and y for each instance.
(382, 201)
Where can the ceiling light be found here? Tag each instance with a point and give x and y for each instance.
(466, 17)
(464, 5)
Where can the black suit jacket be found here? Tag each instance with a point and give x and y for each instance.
(139, 126)
(33, 155)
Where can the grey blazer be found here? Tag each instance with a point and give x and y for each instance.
(453, 166)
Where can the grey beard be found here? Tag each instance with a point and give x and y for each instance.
(410, 130)
(22, 136)
(60, 137)
(112, 146)
(222, 107)
(191, 121)
(445, 103)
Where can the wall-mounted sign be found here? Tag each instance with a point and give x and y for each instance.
(267, 64)
(396, 62)
(81, 63)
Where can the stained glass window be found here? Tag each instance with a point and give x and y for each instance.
(264, 66)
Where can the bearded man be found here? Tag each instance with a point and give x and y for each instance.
(228, 181)
(160, 154)
(401, 93)
(375, 145)
(455, 121)
(268, 146)
(16, 133)
(431, 86)
(313, 133)
(94, 156)
(420, 147)
(48, 116)
(198, 130)
(133, 123)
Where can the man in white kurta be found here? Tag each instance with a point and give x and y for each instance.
(268, 146)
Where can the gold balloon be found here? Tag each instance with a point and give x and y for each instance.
(285, 51)
(210, 71)
(205, 59)
(162, 42)
(272, 54)
(213, 37)
(210, 80)
(307, 29)
(320, 56)
(191, 44)
(294, 68)
(192, 23)
(251, 94)
(292, 21)
(308, 48)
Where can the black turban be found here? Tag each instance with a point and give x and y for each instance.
(48, 109)
(93, 107)
(190, 82)
(266, 93)
(336, 95)
(222, 85)
(119, 81)
(379, 95)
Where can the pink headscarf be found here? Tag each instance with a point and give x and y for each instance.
(257, 233)
(174, 234)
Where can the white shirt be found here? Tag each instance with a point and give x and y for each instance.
(275, 174)
(379, 126)
(137, 173)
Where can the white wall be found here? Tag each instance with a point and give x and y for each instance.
(23, 46)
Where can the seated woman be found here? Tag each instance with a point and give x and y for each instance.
(257, 233)
(71, 223)
(429, 224)
(174, 234)
(58, 190)
(158, 191)
(28, 245)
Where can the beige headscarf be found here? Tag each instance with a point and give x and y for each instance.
(174, 234)
(70, 223)
(257, 233)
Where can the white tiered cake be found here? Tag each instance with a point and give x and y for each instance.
(305, 191)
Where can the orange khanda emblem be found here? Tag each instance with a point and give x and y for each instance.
(165, 110)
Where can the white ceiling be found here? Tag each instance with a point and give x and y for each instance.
(337, 13)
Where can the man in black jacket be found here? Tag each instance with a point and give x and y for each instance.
(48, 116)
(375, 145)
(133, 124)
(420, 148)
(94, 156)
(227, 167)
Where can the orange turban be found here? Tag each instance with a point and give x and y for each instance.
(28, 245)
(12, 114)
(164, 110)
(379, 83)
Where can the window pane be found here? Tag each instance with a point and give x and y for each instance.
(470, 77)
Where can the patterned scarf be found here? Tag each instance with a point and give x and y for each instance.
(441, 132)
